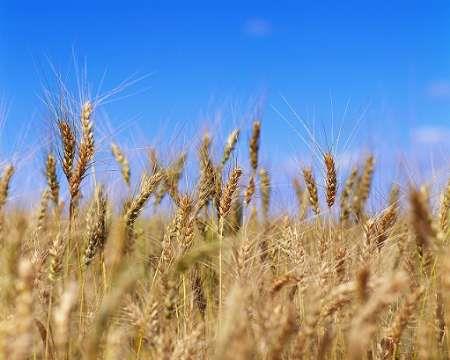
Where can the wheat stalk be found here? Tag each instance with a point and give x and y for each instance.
(224, 208)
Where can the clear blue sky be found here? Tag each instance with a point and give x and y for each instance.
(390, 59)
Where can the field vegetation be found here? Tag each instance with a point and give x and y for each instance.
(210, 270)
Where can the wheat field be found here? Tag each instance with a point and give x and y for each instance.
(209, 271)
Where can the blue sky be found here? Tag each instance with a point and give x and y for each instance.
(385, 62)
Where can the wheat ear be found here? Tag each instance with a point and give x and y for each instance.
(312, 189)
(331, 179)
(346, 195)
(97, 227)
(444, 211)
(147, 188)
(229, 146)
(52, 178)
(254, 145)
(364, 186)
(85, 151)
(69, 145)
(265, 189)
(121, 159)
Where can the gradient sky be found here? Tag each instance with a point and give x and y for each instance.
(389, 62)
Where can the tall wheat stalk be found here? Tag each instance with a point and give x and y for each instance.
(224, 209)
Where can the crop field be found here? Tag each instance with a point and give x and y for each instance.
(209, 270)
